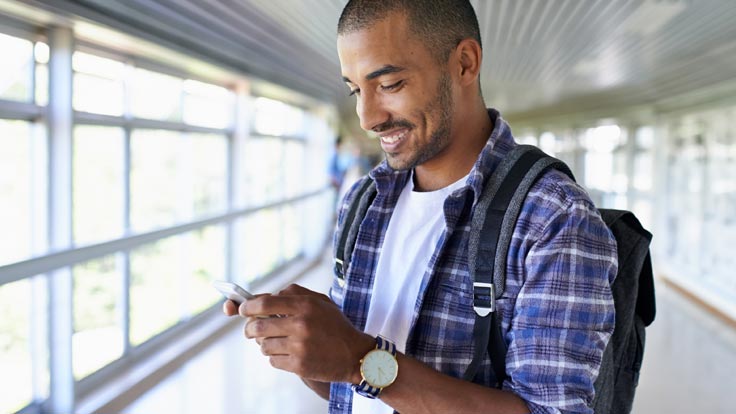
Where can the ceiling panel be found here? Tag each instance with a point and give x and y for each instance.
(542, 57)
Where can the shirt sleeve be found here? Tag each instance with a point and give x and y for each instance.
(564, 314)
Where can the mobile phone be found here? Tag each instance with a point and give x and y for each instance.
(232, 291)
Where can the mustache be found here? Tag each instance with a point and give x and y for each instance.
(388, 125)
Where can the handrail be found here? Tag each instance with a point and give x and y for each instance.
(55, 260)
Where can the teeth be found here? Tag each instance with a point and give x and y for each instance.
(391, 139)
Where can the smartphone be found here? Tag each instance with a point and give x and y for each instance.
(232, 291)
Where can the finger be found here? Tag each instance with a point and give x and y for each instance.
(229, 308)
(297, 290)
(267, 327)
(274, 305)
(276, 346)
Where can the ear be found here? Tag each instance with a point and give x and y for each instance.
(469, 57)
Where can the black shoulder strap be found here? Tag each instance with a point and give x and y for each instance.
(348, 231)
(495, 215)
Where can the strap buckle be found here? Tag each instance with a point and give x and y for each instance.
(484, 298)
(339, 272)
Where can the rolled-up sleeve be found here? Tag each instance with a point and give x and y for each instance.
(564, 314)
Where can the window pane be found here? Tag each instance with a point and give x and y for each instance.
(98, 84)
(16, 69)
(98, 334)
(170, 280)
(261, 239)
(292, 237)
(98, 183)
(156, 96)
(156, 188)
(277, 118)
(156, 290)
(207, 105)
(264, 171)
(15, 346)
(42, 85)
(209, 172)
(15, 190)
(294, 182)
(97, 95)
(207, 252)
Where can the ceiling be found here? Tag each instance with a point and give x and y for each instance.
(543, 58)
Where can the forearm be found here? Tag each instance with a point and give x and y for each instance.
(320, 388)
(420, 389)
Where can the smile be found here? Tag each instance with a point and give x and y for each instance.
(394, 137)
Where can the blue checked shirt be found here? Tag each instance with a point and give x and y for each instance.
(557, 311)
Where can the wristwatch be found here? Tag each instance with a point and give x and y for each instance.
(378, 368)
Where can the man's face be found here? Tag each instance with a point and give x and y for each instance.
(402, 93)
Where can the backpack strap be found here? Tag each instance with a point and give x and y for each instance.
(348, 231)
(496, 214)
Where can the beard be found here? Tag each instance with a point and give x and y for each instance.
(439, 108)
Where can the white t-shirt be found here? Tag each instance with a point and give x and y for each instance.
(415, 228)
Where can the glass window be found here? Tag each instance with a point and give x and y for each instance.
(600, 142)
(15, 346)
(98, 169)
(98, 84)
(207, 105)
(170, 280)
(260, 233)
(209, 172)
(155, 96)
(15, 190)
(293, 166)
(548, 143)
(156, 288)
(206, 248)
(291, 226)
(98, 335)
(264, 171)
(157, 197)
(175, 177)
(277, 118)
(16, 71)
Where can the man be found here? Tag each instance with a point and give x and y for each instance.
(414, 67)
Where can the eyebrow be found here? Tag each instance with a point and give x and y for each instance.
(377, 73)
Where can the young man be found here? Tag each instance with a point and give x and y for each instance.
(414, 67)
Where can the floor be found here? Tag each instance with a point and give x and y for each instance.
(689, 367)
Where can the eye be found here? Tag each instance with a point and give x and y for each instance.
(393, 86)
(355, 91)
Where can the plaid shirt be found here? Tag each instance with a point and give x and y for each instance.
(557, 310)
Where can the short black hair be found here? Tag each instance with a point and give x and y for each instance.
(441, 24)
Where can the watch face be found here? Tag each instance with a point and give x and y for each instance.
(379, 368)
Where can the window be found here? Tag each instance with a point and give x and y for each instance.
(171, 280)
(98, 334)
(15, 190)
(151, 220)
(98, 84)
(16, 72)
(155, 95)
(277, 118)
(98, 183)
(23, 354)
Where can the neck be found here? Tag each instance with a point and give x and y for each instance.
(454, 162)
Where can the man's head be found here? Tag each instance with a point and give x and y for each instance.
(440, 24)
(414, 68)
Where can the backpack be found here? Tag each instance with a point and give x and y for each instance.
(492, 226)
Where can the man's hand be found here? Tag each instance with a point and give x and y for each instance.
(313, 339)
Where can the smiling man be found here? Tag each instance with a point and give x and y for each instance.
(397, 332)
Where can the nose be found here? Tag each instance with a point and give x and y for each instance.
(371, 111)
